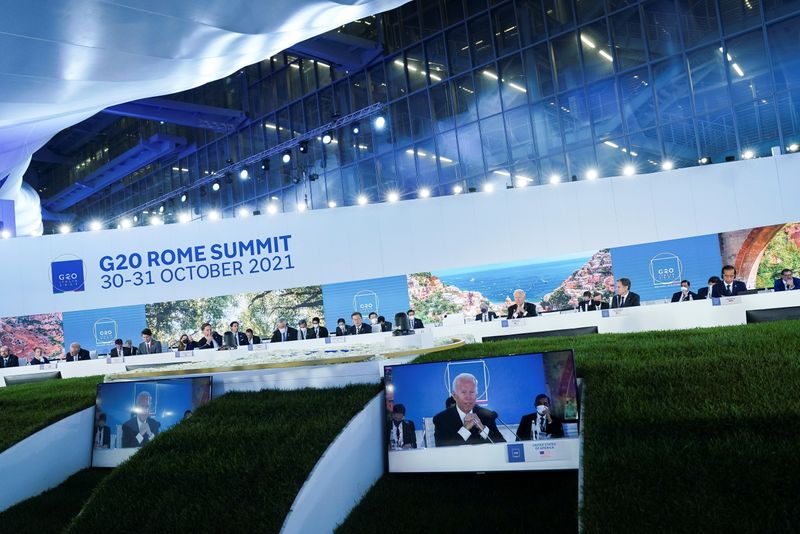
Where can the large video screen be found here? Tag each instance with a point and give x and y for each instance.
(502, 413)
(129, 415)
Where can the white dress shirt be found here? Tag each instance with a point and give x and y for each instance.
(463, 432)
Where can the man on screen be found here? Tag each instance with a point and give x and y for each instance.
(76, 353)
(317, 331)
(140, 428)
(210, 339)
(625, 298)
(102, 433)
(119, 349)
(486, 315)
(728, 287)
(597, 302)
(706, 292)
(358, 326)
(787, 281)
(520, 308)
(239, 338)
(284, 332)
(149, 345)
(586, 303)
(7, 359)
(541, 422)
(402, 434)
(685, 293)
(252, 339)
(465, 423)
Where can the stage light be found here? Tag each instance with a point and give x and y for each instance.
(331, 204)
(126, 223)
(705, 160)
(215, 186)
(424, 192)
(301, 207)
(393, 196)
(244, 174)
(272, 209)
(629, 170)
(667, 165)
(213, 215)
(748, 154)
(327, 138)
(64, 229)
(794, 147)
(265, 164)
(5, 234)
(488, 187)
(184, 197)
(136, 218)
(457, 189)
(303, 147)
(592, 174)
(156, 220)
(184, 218)
(161, 209)
(362, 199)
(554, 178)
(95, 226)
(243, 212)
(521, 182)
(356, 128)
(380, 122)
(286, 157)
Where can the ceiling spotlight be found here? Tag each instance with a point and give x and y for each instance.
(286, 157)
(554, 178)
(327, 137)
(393, 196)
(705, 160)
(628, 170)
(303, 147)
(272, 209)
(424, 192)
(161, 209)
(748, 154)
(362, 199)
(667, 165)
(5, 234)
(243, 174)
(301, 207)
(457, 189)
(794, 147)
(215, 185)
(521, 182)
(356, 128)
(243, 212)
(136, 218)
(95, 226)
(156, 220)
(380, 122)
(184, 197)
(265, 164)
(126, 223)
(184, 218)
(229, 161)
(331, 204)
(592, 174)
(64, 229)
(488, 187)
(213, 215)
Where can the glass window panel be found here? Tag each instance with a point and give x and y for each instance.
(366, 175)
(284, 127)
(520, 136)
(466, 106)
(598, 61)
(311, 111)
(437, 60)
(512, 82)
(358, 91)
(377, 83)
(420, 115)
(415, 63)
(612, 155)
(558, 15)
(469, 146)
(708, 79)
(396, 77)
(553, 167)
(350, 187)
(428, 175)
(567, 62)
(480, 36)
(326, 108)
(431, 17)
(777, 8)
(411, 32)
(645, 151)
(716, 134)
(385, 171)
(324, 74)
(537, 68)
(546, 128)
(341, 92)
(474, 6)
(784, 43)
(448, 157)
(406, 170)
(453, 11)
(613, 5)
(748, 67)
(458, 49)
(680, 143)
(525, 172)
(400, 125)
(495, 148)
(442, 106)
(587, 10)
(739, 14)
(672, 90)
(628, 38)
(575, 118)
(789, 113)
(699, 20)
(758, 126)
(531, 21)
(487, 91)
(637, 100)
(604, 110)
(661, 27)
(506, 32)
(579, 161)
(309, 75)
(363, 140)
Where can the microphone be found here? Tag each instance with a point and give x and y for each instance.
(507, 427)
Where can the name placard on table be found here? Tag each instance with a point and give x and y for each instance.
(725, 301)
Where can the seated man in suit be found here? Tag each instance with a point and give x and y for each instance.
(585, 303)
(317, 331)
(402, 433)
(148, 344)
(520, 308)
(486, 315)
(541, 422)
(284, 332)
(705, 292)
(787, 281)
(76, 353)
(729, 287)
(252, 339)
(386, 326)
(358, 326)
(302, 330)
(341, 327)
(140, 428)
(413, 322)
(38, 357)
(625, 298)
(210, 339)
(597, 302)
(7, 359)
(119, 349)
(102, 433)
(684, 294)
(129, 346)
(465, 423)
(373, 322)
(239, 338)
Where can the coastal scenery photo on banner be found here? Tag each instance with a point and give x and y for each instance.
(497, 413)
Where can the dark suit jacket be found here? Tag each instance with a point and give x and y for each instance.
(191, 345)
(676, 297)
(114, 353)
(386, 326)
(417, 324)
(255, 341)
(721, 291)
(13, 361)
(309, 334)
(131, 428)
(342, 331)
(448, 423)
(134, 350)
(204, 344)
(492, 316)
(585, 305)
(631, 299)
(323, 332)
(241, 337)
(409, 432)
(528, 307)
(106, 437)
(598, 306)
(363, 329)
(83, 354)
(555, 429)
(291, 335)
(36, 361)
(702, 293)
(155, 347)
(780, 287)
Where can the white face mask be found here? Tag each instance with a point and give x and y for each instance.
(411, 317)
(373, 321)
(541, 409)
(685, 289)
(283, 330)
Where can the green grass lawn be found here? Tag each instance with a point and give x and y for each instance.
(28, 408)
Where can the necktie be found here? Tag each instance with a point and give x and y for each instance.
(316, 332)
(622, 302)
(283, 336)
(397, 432)
(302, 334)
(148, 348)
(485, 317)
(729, 289)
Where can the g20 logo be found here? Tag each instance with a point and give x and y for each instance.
(666, 269)
(67, 275)
(366, 302)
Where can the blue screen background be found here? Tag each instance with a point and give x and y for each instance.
(338, 299)
(124, 322)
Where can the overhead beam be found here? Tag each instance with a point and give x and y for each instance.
(182, 113)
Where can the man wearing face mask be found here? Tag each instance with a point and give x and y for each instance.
(302, 330)
(284, 332)
(341, 327)
(597, 302)
(373, 322)
(413, 322)
(317, 331)
(542, 422)
(486, 314)
(705, 292)
(684, 294)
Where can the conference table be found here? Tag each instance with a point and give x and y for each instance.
(727, 311)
